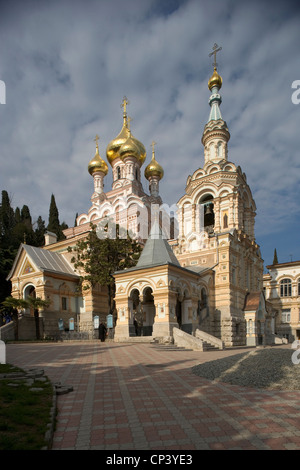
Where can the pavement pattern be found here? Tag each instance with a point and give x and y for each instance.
(142, 396)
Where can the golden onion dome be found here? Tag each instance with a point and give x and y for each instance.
(154, 168)
(97, 163)
(124, 144)
(129, 148)
(112, 150)
(215, 80)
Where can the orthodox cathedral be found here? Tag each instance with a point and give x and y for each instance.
(200, 269)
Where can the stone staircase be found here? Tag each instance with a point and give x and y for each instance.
(200, 342)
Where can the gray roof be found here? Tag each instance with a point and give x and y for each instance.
(157, 250)
(45, 260)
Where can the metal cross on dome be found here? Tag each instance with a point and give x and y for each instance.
(152, 145)
(216, 49)
(96, 140)
(125, 102)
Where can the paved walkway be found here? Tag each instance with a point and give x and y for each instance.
(145, 397)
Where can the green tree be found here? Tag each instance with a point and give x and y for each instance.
(17, 215)
(7, 219)
(7, 256)
(54, 224)
(40, 231)
(100, 257)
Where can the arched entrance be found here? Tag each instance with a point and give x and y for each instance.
(149, 311)
(29, 291)
(135, 309)
(143, 311)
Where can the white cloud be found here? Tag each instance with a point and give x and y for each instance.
(68, 64)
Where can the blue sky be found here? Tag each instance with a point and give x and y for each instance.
(67, 65)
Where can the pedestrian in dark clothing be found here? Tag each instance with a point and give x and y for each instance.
(102, 332)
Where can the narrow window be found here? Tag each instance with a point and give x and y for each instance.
(64, 303)
(225, 221)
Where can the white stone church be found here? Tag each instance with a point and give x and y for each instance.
(201, 273)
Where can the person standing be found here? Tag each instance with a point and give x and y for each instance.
(102, 332)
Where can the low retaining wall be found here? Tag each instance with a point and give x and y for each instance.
(185, 340)
(26, 329)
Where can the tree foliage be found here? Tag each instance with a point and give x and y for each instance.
(54, 224)
(97, 259)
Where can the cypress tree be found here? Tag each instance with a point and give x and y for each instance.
(26, 217)
(40, 231)
(53, 224)
(7, 218)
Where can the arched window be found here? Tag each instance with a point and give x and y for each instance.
(118, 172)
(285, 288)
(209, 216)
(136, 174)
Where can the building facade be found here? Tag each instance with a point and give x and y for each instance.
(209, 272)
(282, 290)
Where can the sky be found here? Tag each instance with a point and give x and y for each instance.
(66, 65)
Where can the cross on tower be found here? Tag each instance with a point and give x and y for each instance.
(125, 102)
(152, 145)
(96, 140)
(216, 49)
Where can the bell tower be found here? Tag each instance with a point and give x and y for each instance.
(216, 135)
(216, 227)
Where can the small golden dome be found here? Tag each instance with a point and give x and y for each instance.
(154, 169)
(112, 150)
(215, 80)
(97, 164)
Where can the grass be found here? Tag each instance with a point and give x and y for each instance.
(24, 414)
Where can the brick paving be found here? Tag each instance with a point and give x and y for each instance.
(141, 396)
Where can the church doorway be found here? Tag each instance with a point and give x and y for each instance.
(179, 312)
(29, 291)
(149, 311)
(136, 311)
(143, 311)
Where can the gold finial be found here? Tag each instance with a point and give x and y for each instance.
(215, 79)
(96, 140)
(24, 238)
(124, 104)
(216, 49)
(152, 145)
(154, 168)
